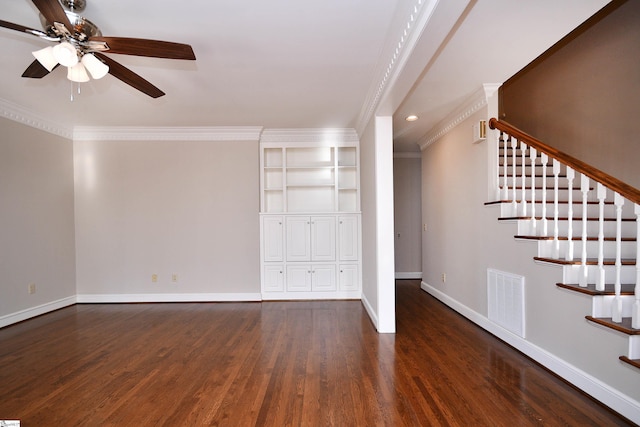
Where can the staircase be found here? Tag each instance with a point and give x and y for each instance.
(581, 219)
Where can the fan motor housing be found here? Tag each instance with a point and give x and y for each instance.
(74, 5)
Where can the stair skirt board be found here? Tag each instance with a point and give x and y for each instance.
(505, 293)
(619, 402)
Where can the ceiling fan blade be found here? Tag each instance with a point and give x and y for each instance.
(18, 27)
(145, 47)
(52, 10)
(124, 74)
(36, 70)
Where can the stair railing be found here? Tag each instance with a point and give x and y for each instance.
(510, 139)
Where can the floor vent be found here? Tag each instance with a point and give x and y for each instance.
(506, 300)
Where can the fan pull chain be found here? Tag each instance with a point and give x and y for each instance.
(73, 89)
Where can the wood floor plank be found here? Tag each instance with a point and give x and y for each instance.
(276, 364)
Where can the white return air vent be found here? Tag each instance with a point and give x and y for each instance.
(506, 300)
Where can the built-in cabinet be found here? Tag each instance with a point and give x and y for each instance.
(310, 219)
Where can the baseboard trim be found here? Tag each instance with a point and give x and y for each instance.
(28, 313)
(409, 275)
(147, 298)
(619, 402)
(370, 311)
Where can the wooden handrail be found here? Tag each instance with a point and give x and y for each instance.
(625, 190)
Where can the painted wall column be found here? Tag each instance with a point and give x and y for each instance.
(384, 226)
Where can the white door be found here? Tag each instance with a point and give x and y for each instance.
(272, 230)
(323, 277)
(348, 237)
(298, 278)
(348, 277)
(298, 238)
(323, 238)
(273, 278)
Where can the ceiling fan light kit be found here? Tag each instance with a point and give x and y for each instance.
(94, 66)
(81, 47)
(46, 58)
(78, 73)
(66, 54)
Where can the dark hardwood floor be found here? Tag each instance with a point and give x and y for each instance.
(315, 363)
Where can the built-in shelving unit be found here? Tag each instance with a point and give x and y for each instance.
(310, 214)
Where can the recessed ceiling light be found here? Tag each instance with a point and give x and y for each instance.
(411, 118)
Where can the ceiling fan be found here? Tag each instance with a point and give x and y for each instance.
(81, 47)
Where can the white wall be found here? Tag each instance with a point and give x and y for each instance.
(464, 238)
(36, 222)
(188, 208)
(408, 215)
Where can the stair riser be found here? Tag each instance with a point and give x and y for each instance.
(627, 249)
(602, 306)
(572, 274)
(627, 228)
(593, 211)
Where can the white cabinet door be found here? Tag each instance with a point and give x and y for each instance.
(323, 277)
(273, 278)
(298, 238)
(348, 237)
(298, 277)
(348, 277)
(272, 229)
(323, 240)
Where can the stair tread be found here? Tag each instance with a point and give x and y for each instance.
(590, 261)
(564, 218)
(624, 326)
(576, 202)
(632, 362)
(590, 289)
(575, 238)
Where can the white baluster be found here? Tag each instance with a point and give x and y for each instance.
(616, 308)
(600, 279)
(635, 312)
(545, 223)
(533, 155)
(498, 186)
(584, 188)
(570, 177)
(514, 203)
(556, 181)
(523, 201)
(505, 168)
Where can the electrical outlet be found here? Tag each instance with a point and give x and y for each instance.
(32, 288)
(174, 278)
(444, 277)
(424, 227)
(154, 278)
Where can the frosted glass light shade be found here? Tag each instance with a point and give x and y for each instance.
(78, 73)
(46, 58)
(96, 68)
(66, 54)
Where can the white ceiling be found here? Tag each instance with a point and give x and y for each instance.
(290, 63)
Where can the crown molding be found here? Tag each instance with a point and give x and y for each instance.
(135, 133)
(309, 135)
(474, 103)
(19, 114)
(407, 36)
